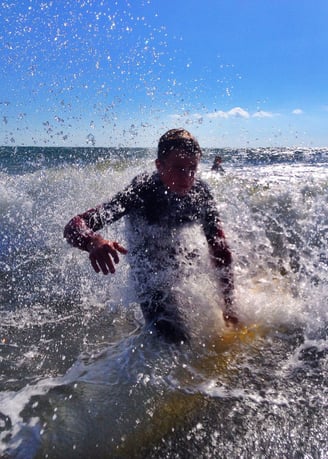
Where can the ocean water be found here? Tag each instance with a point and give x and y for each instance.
(79, 376)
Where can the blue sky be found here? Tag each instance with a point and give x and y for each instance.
(236, 73)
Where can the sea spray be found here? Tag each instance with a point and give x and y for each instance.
(73, 350)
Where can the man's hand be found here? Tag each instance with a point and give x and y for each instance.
(102, 253)
(230, 318)
(229, 314)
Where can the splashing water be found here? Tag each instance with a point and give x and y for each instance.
(79, 376)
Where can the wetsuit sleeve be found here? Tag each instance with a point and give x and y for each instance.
(80, 230)
(218, 245)
(214, 233)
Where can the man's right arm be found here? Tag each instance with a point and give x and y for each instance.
(80, 233)
(80, 230)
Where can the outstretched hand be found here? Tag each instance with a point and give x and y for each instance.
(103, 254)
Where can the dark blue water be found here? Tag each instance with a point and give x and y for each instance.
(20, 160)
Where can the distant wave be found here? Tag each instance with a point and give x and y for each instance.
(21, 160)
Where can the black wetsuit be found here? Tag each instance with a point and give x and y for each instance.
(156, 215)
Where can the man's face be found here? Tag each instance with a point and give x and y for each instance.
(177, 171)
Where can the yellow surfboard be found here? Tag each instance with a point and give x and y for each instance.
(183, 402)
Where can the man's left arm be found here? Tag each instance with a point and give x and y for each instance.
(222, 259)
(219, 251)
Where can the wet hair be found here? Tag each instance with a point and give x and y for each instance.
(178, 139)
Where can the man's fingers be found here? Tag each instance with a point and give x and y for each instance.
(120, 248)
(106, 265)
(112, 252)
(103, 255)
(116, 247)
(102, 262)
(94, 264)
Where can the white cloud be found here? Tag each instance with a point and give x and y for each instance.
(262, 114)
(236, 112)
(297, 111)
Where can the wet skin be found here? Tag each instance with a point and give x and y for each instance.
(177, 171)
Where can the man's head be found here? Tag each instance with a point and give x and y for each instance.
(177, 160)
(178, 139)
